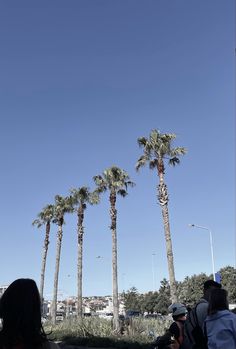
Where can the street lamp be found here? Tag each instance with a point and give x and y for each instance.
(211, 244)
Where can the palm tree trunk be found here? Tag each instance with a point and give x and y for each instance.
(44, 258)
(115, 300)
(80, 263)
(163, 200)
(58, 255)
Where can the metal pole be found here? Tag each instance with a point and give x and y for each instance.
(212, 255)
(211, 245)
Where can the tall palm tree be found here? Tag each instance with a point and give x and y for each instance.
(62, 206)
(157, 149)
(116, 181)
(80, 198)
(44, 218)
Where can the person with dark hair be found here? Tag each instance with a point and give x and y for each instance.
(220, 324)
(193, 335)
(20, 311)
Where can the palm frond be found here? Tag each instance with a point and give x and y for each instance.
(101, 183)
(122, 192)
(174, 161)
(153, 164)
(178, 151)
(141, 162)
(46, 215)
(37, 222)
(142, 141)
(113, 179)
(80, 195)
(94, 197)
(62, 206)
(130, 184)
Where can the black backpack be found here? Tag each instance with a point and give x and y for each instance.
(199, 336)
(163, 342)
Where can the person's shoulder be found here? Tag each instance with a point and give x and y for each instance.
(174, 329)
(202, 301)
(173, 326)
(231, 315)
(200, 307)
(201, 304)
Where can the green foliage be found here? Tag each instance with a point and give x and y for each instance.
(45, 216)
(228, 275)
(113, 179)
(159, 147)
(81, 196)
(191, 289)
(96, 332)
(149, 302)
(62, 205)
(132, 300)
(163, 299)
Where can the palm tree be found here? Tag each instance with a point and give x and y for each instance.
(116, 181)
(62, 206)
(156, 149)
(80, 198)
(44, 218)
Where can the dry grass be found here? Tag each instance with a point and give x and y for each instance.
(96, 332)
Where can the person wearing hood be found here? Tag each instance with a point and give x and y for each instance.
(179, 312)
(220, 324)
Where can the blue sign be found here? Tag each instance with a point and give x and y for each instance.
(218, 277)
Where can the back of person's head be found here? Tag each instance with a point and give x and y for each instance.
(178, 310)
(208, 286)
(211, 284)
(217, 301)
(20, 311)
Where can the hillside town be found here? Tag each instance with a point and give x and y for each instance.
(95, 305)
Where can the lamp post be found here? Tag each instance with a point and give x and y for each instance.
(211, 244)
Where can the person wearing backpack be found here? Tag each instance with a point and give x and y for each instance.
(193, 328)
(179, 312)
(173, 337)
(220, 324)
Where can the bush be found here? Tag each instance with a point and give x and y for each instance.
(97, 332)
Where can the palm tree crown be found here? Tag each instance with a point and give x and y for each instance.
(62, 205)
(82, 196)
(113, 179)
(45, 216)
(157, 148)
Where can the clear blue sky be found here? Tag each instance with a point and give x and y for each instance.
(80, 82)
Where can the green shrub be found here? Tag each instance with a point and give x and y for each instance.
(97, 332)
